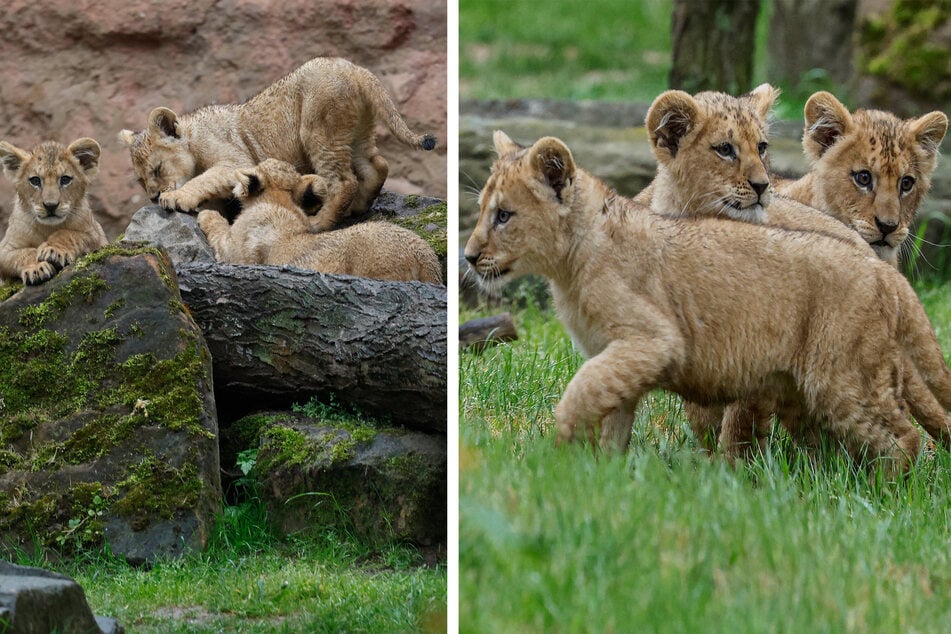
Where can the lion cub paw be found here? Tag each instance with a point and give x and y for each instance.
(37, 273)
(55, 256)
(177, 200)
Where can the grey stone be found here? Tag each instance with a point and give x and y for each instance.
(37, 601)
(176, 232)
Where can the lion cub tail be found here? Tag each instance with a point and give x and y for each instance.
(386, 111)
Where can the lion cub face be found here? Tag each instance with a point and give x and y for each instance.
(871, 169)
(711, 153)
(278, 183)
(160, 154)
(51, 180)
(520, 211)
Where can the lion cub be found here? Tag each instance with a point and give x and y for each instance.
(273, 229)
(712, 156)
(869, 169)
(320, 118)
(51, 224)
(646, 298)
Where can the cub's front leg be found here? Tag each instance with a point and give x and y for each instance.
(218, 232)
(607, 385)
(216, 182)
(63, 247)
(23, 264)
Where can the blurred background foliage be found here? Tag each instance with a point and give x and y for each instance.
(874, 53)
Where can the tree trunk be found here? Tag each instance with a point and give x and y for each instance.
(713, 42)
(827, 26)
(279, 336)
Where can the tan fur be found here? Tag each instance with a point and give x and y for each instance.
(843, 147)
(695, 179)
(645, 297)
(320, 119)
(274, 230)
(51, 224)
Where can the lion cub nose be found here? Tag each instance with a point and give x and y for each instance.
(759, 188)
(885, 227)
(472, 259)
(50, 207)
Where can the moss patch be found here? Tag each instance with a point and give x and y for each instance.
(154, 487)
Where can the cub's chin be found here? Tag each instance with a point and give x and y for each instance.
(51, 221)
(755, 214)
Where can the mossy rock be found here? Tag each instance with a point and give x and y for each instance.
(382, 484)
(107, 417)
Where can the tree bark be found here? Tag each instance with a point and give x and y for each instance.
(827, 26)
(713, 45)
(279, 336)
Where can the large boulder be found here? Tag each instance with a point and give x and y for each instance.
(92, 69)
(109, 428)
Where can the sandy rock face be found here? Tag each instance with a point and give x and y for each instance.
(93, 68)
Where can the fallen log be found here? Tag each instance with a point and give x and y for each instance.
(478, 334)
(282, 335)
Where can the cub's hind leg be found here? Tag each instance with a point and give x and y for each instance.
(371, 170)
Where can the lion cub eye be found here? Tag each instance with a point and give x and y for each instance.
(65, 180)
(502, 216)
(863, 179)
(762, 147)
(725, 150)
(907, 182)
(35, 181)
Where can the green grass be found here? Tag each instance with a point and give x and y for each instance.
(665, 539)
(250, 581)
(614, 50)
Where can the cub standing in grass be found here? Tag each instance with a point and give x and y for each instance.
(51, 224)
(273, 229)
(724, 136)
(320, 119)
(646, 298)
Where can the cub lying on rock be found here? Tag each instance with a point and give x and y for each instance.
(51, 224)
(273, 229)
(320, 118)
(645, 297)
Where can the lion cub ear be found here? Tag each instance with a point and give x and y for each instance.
(929, 130)
(763, 97)
(826, 121)
(505, 145)
(309, 193)
(87, 152)
(552, 160)
(12, 157)
(672, 115)
(164, 122)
